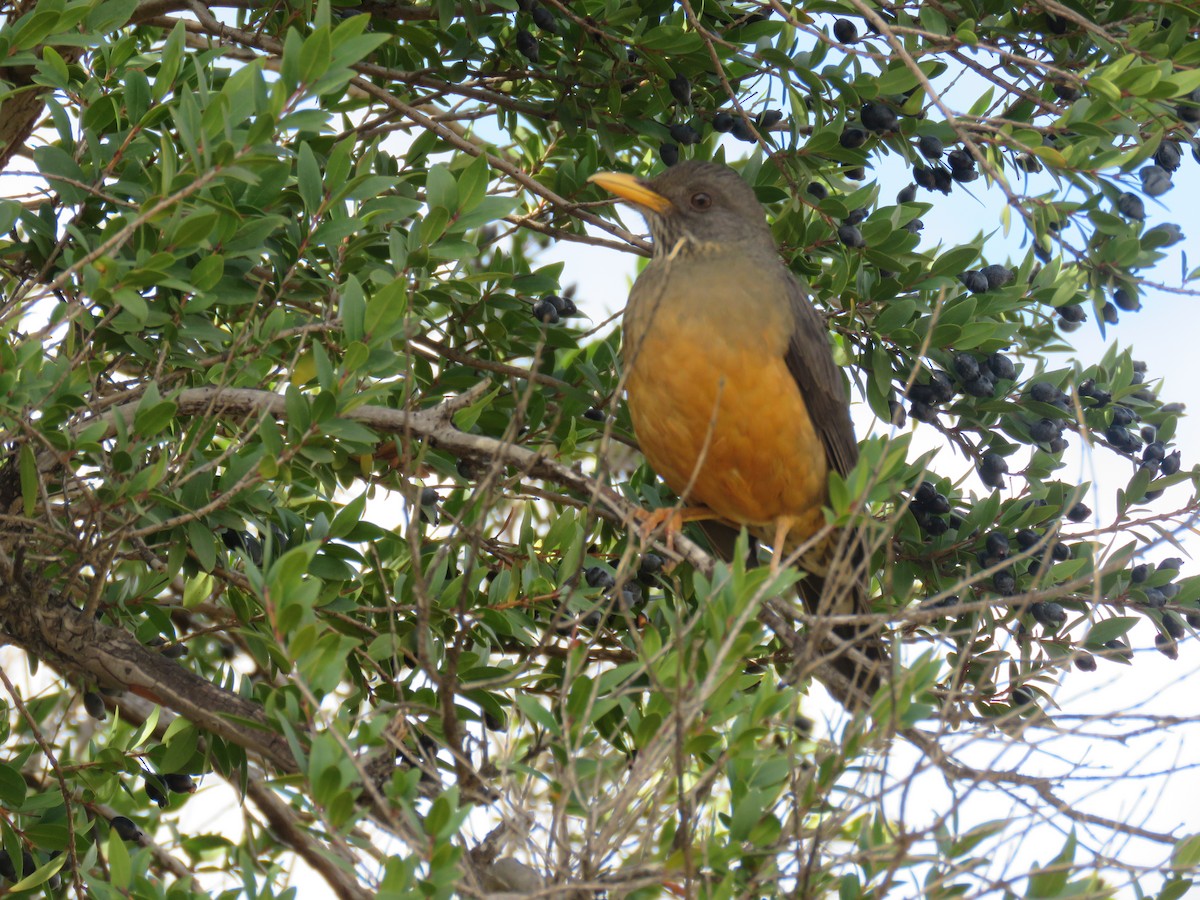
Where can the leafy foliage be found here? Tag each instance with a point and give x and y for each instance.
(315, 481)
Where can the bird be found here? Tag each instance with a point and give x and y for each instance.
(733, 391)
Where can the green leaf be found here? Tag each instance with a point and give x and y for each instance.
(749, 810)
(353, 309)
(207, 272)
(473, 183)
(53, 69)
(10, 211)
(110, 15)
(385, 309)
(202, 544)
(954, 261)
(536, 713)
(1049, 881)
(153, 413)
(895, 315)
(489, 209)
(1186, 853)
(181, 741)
(12, 787)
(348, 517)
(1105, 88)
(35, 27)
(55, 161)
(1138, 81)
(933, 20)
(441, 190)
(1108, 629)
(1184, 82)
(133, 303)
(146, 730)
(120, 868)
(466, 418)
(40, 875)
(169, 62)
(316, 54)
(349, 49)
(308, 179)
(975, 836)
(193, 230)
(900, 79)
(671, 40)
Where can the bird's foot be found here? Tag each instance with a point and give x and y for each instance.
(779, 551)
(671, 519)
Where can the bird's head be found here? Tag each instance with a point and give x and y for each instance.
(704, 205)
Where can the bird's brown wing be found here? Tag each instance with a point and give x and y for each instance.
(810, 361)
(843, 585)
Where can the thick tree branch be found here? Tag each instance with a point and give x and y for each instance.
(48, 626)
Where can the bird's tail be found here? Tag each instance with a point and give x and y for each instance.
(855, 652)
(836, 582)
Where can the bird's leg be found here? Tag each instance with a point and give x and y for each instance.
(671, 519)
(779, 546)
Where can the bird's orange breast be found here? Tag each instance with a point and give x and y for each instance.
(721, 419)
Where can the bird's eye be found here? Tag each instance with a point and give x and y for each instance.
(701, 201)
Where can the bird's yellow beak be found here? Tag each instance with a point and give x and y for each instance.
(627, 187)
